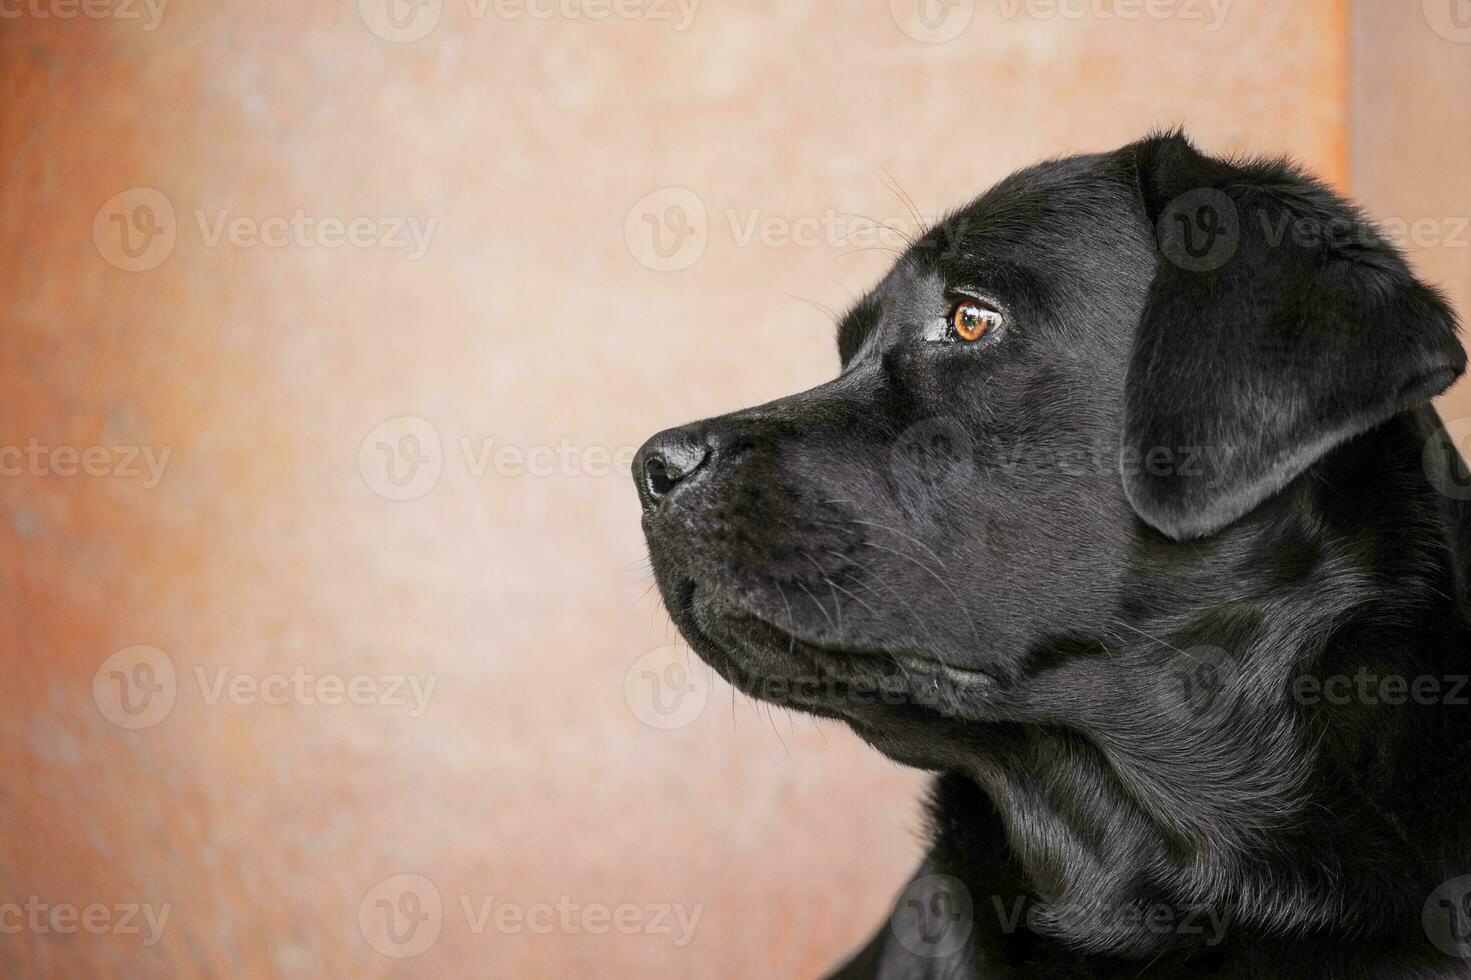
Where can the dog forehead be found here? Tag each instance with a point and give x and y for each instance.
(1069, 220)
(1041, 211)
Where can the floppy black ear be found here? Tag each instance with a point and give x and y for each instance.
(1278, 325)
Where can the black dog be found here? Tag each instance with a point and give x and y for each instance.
(1129, 517)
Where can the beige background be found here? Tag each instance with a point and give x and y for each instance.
(542, 148)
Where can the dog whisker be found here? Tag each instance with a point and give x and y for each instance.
(907, 537)
(919, 621)
(921, 226)
(820, 607)
(839, 588)
(827, 311)
(960, 602)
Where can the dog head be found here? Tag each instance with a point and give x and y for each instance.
(1103, 375)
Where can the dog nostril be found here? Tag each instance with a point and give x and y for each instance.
(660, 477)
(669, 464)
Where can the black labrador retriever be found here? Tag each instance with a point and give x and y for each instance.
(1127, 516)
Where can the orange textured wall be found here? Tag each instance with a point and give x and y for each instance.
(265, 448)
(1410, 129)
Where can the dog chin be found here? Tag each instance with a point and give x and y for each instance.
(865, 685)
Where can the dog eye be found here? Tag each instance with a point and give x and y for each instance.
(971, 321)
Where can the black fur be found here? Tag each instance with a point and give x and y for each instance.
(1108, 570)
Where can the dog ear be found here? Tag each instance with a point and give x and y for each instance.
(1279, 324)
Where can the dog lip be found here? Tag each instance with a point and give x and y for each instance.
(960, 677)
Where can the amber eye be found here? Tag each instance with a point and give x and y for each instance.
(971, 321)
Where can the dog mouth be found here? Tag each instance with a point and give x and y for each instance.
(853, 682)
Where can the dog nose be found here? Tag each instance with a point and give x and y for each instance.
(666, 461)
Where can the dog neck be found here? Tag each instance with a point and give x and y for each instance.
(1309, 781)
